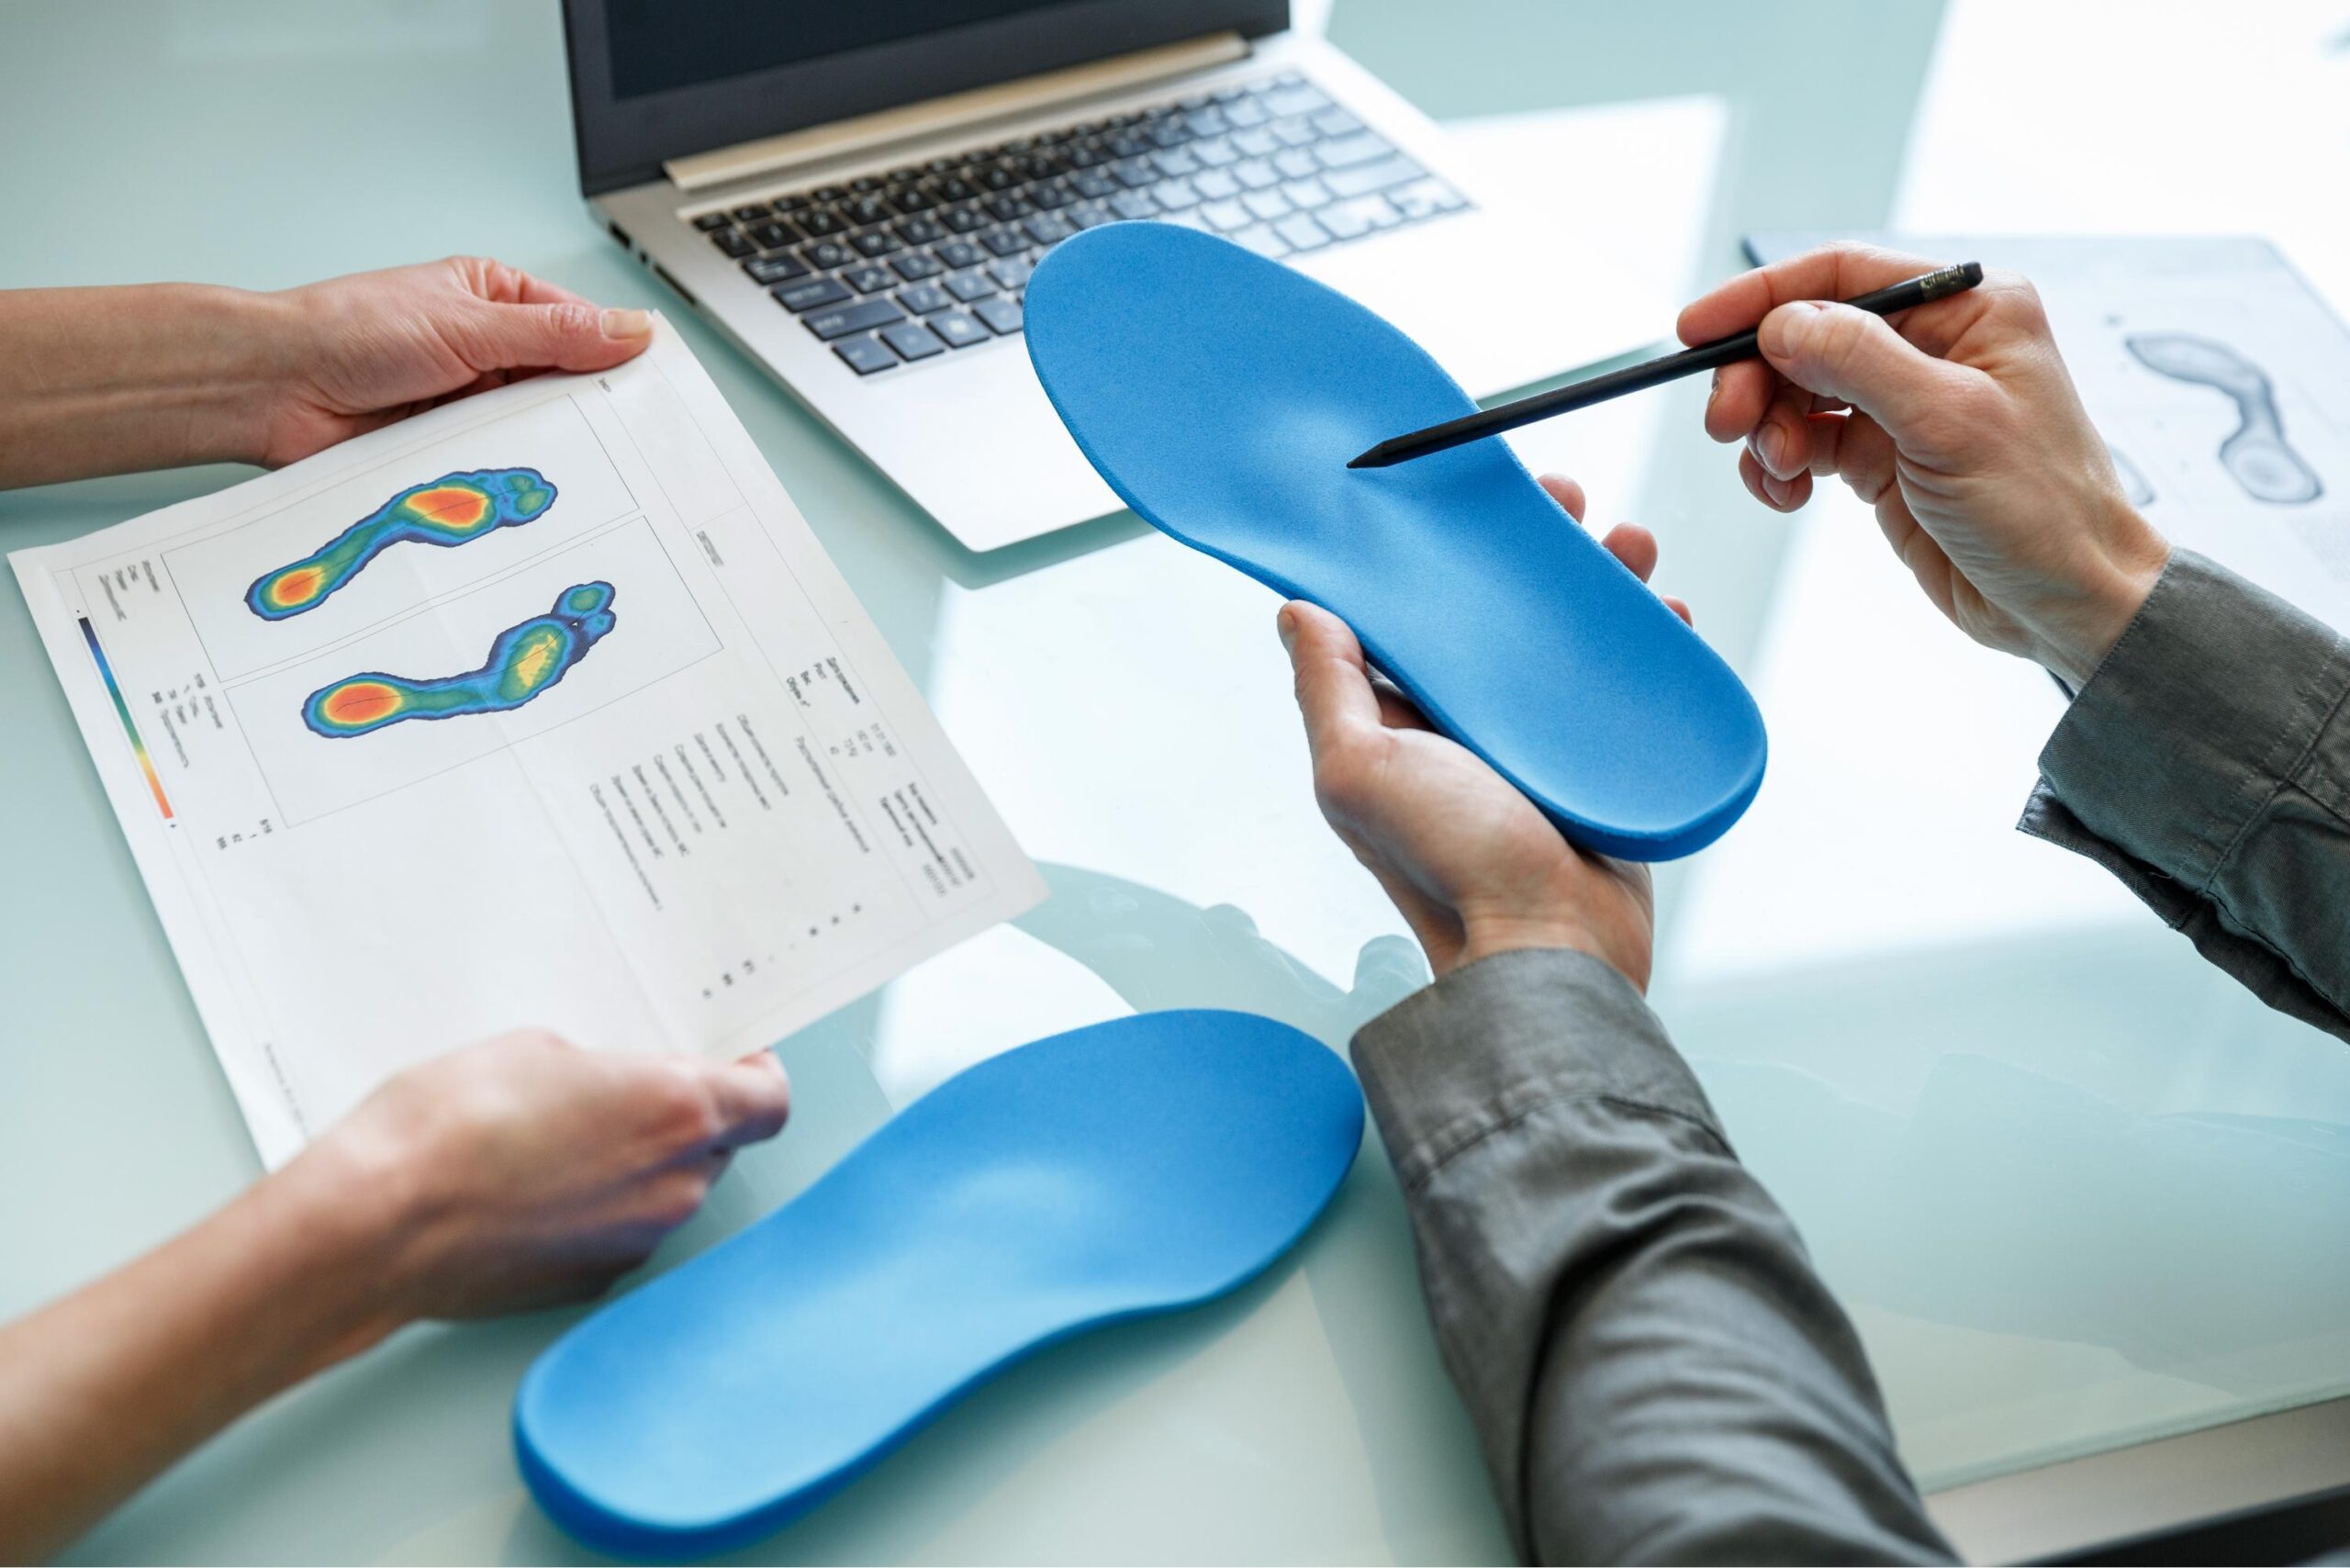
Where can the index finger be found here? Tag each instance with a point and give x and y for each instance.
(1834, 272)
(1334, 690)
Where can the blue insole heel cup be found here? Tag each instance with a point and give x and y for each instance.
(1134, 1167)
(1222, 395)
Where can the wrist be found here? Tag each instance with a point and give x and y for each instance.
(2129, 559)
(350, 1205)
(1484, 935)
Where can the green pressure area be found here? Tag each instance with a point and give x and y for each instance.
(525, 661)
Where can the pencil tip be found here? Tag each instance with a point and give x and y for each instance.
(1366, 460)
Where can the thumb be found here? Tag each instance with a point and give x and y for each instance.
(565, 335)
(1857, 357)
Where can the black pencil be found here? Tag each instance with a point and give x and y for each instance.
(1633, 378)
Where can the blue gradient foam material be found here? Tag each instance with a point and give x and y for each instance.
(1222, 395)
(1131, 1168)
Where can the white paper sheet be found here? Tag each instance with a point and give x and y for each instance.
(728, 815)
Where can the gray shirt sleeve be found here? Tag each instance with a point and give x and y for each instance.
(1655, 1370)
(2207, 764)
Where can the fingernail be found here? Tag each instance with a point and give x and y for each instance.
(1286, 624)
(1785, 328)
(1771, 446)
(627, 323)
(1712, 397)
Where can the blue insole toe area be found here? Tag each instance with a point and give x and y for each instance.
(1134, 1167)
(1222, 395)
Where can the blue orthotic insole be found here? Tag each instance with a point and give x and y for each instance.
(1130, 1168)
(1222, 395)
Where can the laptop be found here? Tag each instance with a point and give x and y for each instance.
(855, 194)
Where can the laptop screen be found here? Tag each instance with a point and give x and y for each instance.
(653, 80)
(657, 46)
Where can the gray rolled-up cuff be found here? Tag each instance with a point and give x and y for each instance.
(1487, 1044)
(2211, 700)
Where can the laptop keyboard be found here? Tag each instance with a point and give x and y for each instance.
(897, 268)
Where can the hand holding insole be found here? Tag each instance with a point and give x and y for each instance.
(1221, 396)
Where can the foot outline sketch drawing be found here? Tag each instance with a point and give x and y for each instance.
(2256, 455)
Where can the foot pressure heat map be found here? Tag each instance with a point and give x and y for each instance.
(453, 510)
(526, 660)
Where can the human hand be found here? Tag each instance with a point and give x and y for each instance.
(1474, 867)
(353, 354)
(1960, 425)
(524, 1170)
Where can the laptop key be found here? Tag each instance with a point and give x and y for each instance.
(1132, 203)
(1263, 240)
(921, 230)
(1127, 144)
(1215, 152)
(1425, 198)
(1255, 143)
(1256, 174)
(1335, 121)
(840, 320)
(872, 242)
(1216, 185)
(1227, 216)
(790, 204)
(774, 234)
(923, 298)
(1293, 131)
(912, 339)
(1295, 163)
(1175, 195)
(1003, 316)
(865, 355)
(1345, 151)
(962, 219)
(955, 187)
(870, 278)
(1048, 229)
(1011, 272)
(1302, 100)
(1266, 204)
(734, 241)
(867, 209)
(709, 220)
(1364, 178)
(912, 199)
(825, 255)
(1347, 220)
(960, 253)
(818, 221)
(970, 286)
(774, 269)
(916, 265)
(751, 212)
(956, 329)
(1246, 112)
(1008, 207)
(799, 297)
(1090, 215)
(1135, 173)
(1306, 194)
(1175, 160)
(1004, 241)
(1050, 195)
(1093, 184)
(866, 183)
(1301, 232)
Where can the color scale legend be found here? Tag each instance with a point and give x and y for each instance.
(122, 712)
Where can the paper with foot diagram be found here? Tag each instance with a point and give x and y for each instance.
(544, 707)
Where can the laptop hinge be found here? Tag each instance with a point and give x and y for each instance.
(772, 154)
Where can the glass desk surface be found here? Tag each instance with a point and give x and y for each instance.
(2077, 1189)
